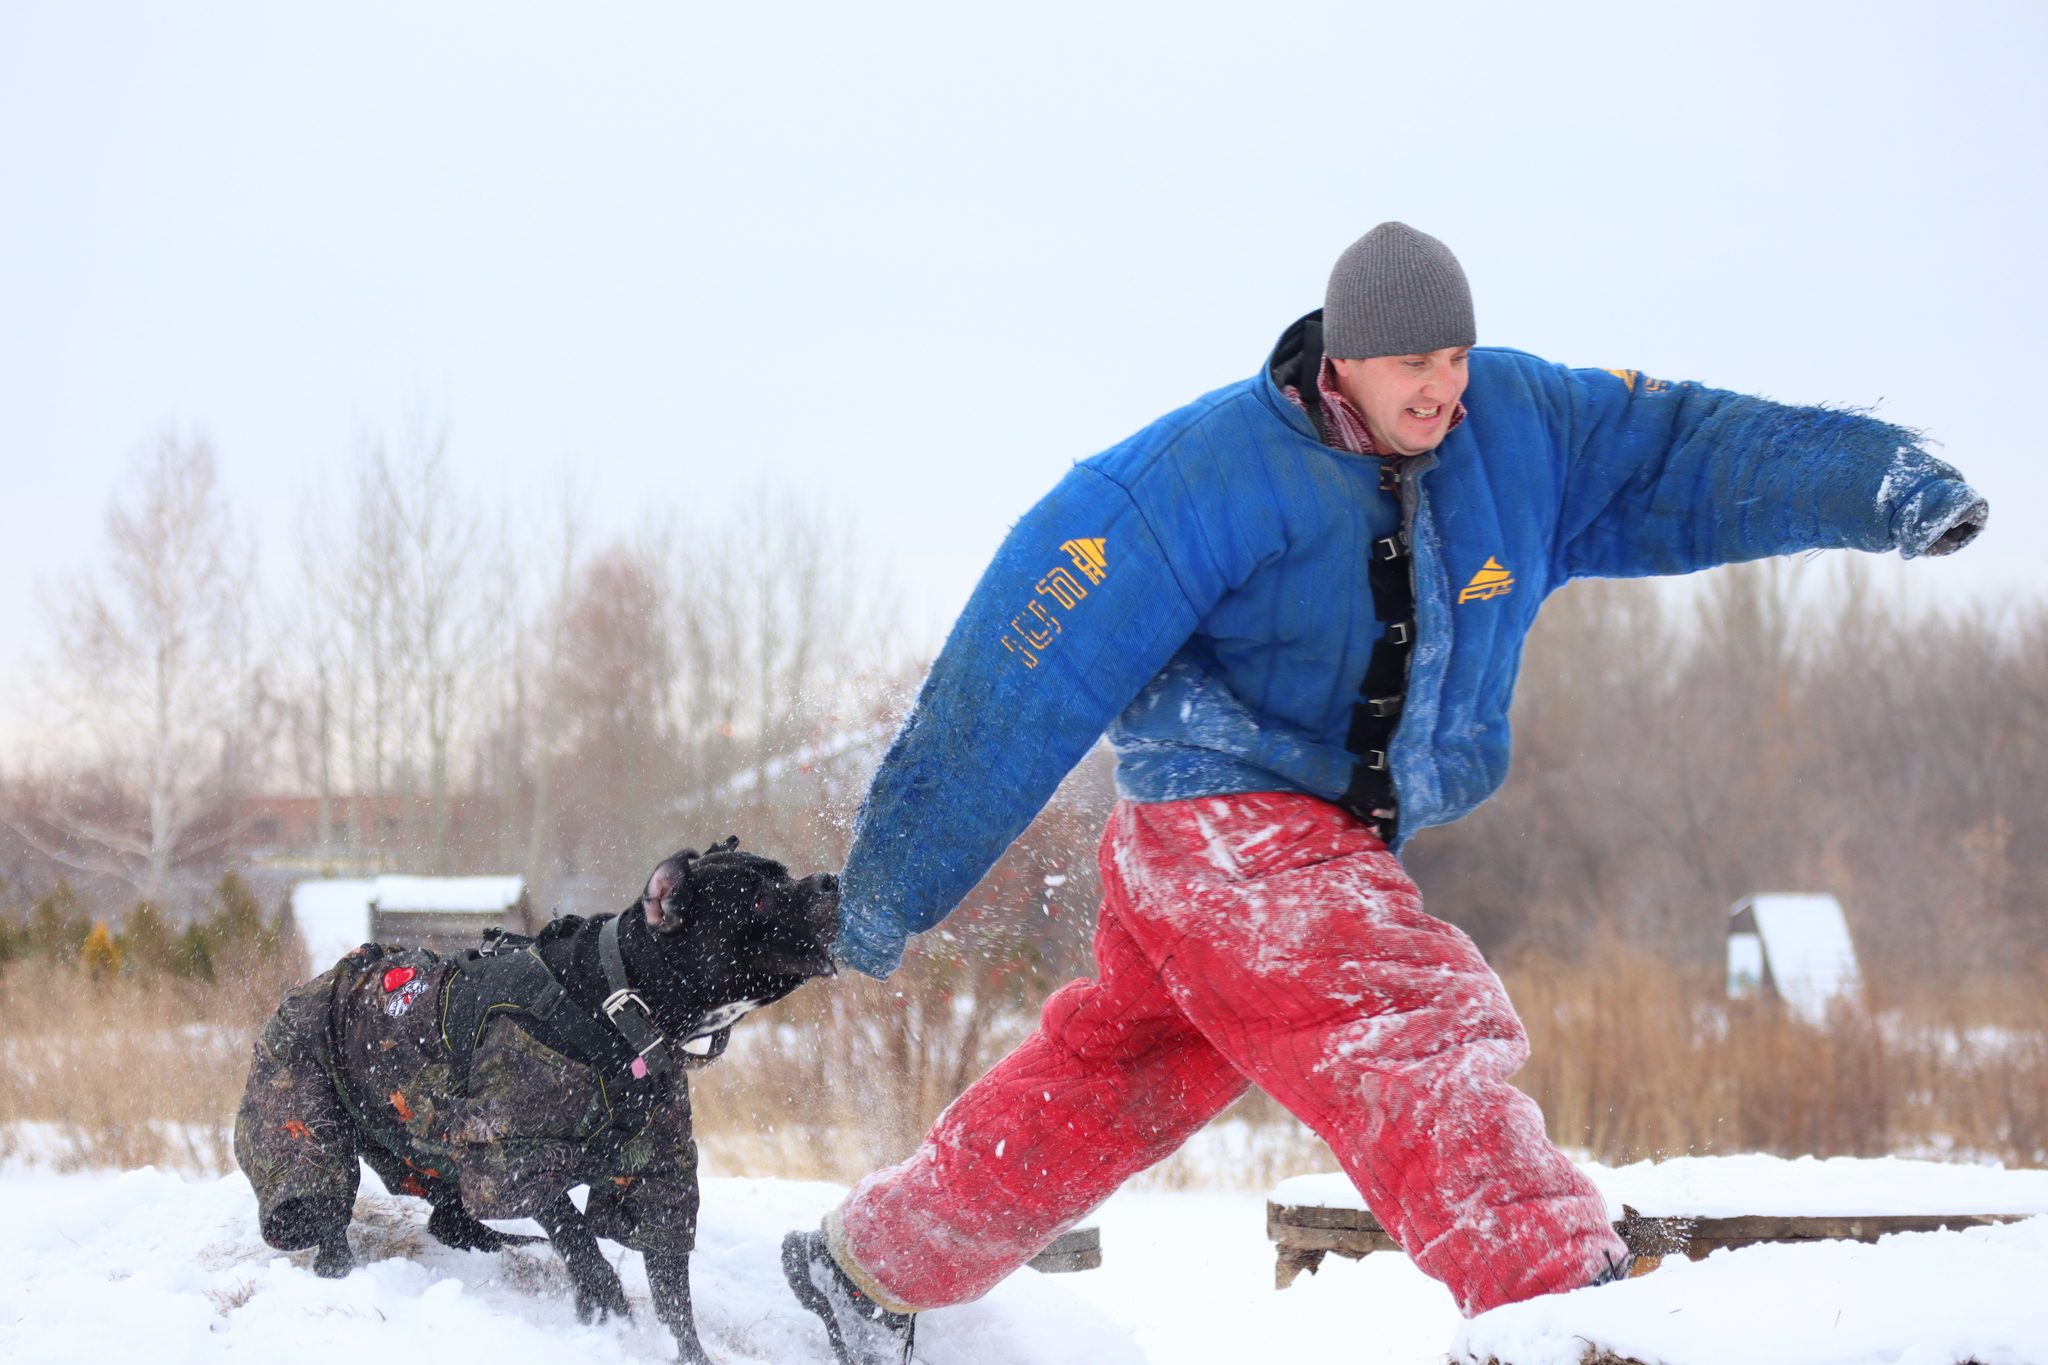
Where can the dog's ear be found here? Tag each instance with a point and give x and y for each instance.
(666, 900)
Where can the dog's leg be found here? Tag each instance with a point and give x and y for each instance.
(598, 1291)
(451, 1225)
(321, 1223)
(668, 1275)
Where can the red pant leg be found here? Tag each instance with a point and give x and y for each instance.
(1268, 936)
(1113, 1081)
(1289, 935)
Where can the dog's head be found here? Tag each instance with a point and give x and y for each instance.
(739, 928)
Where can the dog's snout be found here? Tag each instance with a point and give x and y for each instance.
(820, 900)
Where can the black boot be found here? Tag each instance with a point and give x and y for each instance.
(1614, 1270)
(862, 1331)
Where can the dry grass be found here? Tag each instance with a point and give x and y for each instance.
(123, 1073)
(847, 1074)
(1632, 1058)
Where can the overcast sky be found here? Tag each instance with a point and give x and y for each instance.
(915, 259)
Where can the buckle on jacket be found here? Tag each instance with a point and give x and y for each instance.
(1376, 759)
(1400, 632)
(1390, 547)
(1385, 706)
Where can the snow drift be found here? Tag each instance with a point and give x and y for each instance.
(146, 1266)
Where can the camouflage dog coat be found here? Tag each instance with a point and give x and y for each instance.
(359, 1062)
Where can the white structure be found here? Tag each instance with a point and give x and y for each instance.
(1794, 946)
(335, 916)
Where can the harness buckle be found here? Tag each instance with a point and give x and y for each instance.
(618, 1000)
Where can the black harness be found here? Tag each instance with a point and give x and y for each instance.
(633, 1059)
(1391, 575)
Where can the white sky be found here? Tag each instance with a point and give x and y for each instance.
(915, 259)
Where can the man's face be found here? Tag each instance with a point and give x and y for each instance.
(1407, 400)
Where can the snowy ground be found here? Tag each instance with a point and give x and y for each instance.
(1925, 1298)
(1933, 1298)
(146, 1266)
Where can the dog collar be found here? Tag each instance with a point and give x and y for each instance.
(625, 1011)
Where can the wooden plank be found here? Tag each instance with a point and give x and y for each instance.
(1292, 1262)
(1348, 1241)
(1851, 1228)
(1303, 1233)
(1315, 1216)
(1080, 1249)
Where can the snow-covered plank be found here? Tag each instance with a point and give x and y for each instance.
(1733, 1186)
(1919, 1298)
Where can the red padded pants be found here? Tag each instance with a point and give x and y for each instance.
(1261, 937)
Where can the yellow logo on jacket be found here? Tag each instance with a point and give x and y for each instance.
(1038, 625)
(1491, 581)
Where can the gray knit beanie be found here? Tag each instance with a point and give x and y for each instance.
(1396, 291)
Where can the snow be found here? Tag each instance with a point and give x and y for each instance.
(1909, 1299)
(1806, 940)
(447, 893)
(1192, 1274)
(333, 915)
(1916, 1298)
(148, 1266)
(1728, 1186)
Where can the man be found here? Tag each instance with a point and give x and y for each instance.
(1297, 606)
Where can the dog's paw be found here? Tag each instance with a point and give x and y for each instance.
(335, 1259)
(452, 1226)
(595, 1303)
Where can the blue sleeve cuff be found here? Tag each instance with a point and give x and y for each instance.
(1942, 507)
(869, 950)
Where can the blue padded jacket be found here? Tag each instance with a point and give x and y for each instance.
(1199, 593)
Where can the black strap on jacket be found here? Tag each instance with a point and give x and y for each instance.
(1390, 574)
(1383, 692)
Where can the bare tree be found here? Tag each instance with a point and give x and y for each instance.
(152, 659)
(399, 630)
(541, 667)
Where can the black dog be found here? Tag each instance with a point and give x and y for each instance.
(491, 1083)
